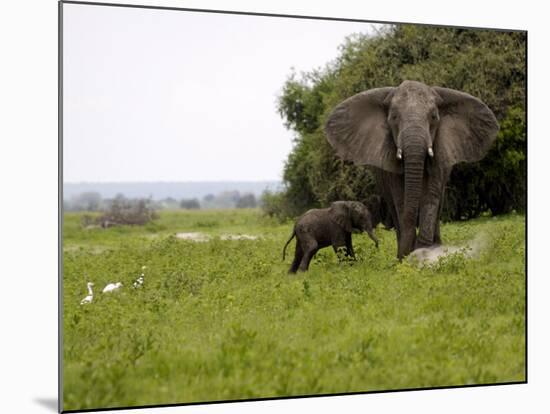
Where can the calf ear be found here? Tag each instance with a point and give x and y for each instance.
(339, 213)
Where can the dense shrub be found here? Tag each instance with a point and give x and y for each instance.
(86, 201)
(127, 211)
(247, 200)
(487, 64)
(277, 204)
(190, 204)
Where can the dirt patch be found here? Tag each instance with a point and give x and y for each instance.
(84, 249)
(202, 237)
(429, 255)
(195, 236)
(238, 237)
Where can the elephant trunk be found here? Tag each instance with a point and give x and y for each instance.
(414, 155)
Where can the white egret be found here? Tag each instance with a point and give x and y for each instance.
(90, 296)
(111, 287)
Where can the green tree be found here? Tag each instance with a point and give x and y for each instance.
(487, 64)
(190, 204)
(247, 200)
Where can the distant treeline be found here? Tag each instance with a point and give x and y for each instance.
(158, 190)
(487, 64)
(92, 201)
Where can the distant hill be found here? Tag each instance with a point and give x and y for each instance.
(161, 190)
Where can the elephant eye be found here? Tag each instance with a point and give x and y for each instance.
(434, 116)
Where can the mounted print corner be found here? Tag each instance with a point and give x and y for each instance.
(262, 206)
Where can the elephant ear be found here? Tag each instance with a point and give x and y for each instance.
(340, 213)
(358, 130)
(467, 128)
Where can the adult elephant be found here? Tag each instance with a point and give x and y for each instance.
(413, 134)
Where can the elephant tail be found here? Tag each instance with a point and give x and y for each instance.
(291, 237)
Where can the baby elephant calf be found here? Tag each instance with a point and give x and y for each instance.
(318, 228)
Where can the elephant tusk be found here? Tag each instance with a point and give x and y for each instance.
(431, 152)
(399, 154)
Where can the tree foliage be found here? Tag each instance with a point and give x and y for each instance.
(125, 211)
(190, 204)
(487, 64)
(247, 200)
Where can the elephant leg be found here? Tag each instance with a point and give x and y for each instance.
(298, 255)
(310, 248)
(304, 265)
(339, 242)
(397, 225)
(338, 252)
(430, 210)
(437, 233)
(428, 220)
(349, 246)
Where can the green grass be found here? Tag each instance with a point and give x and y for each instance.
(223, 320)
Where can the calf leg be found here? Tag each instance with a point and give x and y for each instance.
(344, 241)
(310, 248)
(298, 255)
(349, 246)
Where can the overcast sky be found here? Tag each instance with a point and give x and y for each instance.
(153, 95)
